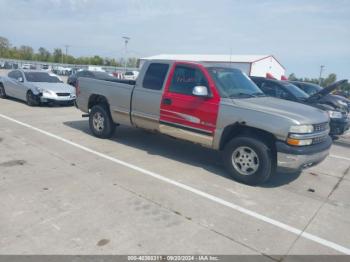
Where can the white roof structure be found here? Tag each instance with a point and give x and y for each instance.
(209, 58)
(252, 65)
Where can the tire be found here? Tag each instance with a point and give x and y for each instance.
(100, 122)
(2, 92)
(31, 99)
(249, 160)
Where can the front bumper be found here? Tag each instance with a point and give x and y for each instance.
(55, 98)
(297, 158)
(339, 126)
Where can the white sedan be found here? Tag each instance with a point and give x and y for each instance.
(36, 87)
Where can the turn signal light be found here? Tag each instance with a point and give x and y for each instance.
(298, 142)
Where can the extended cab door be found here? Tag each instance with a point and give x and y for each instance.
(145, 107)
(184, 115)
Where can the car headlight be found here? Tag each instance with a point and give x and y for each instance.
(342, 103)
(43, 91)
(302, 129)
(335, 114)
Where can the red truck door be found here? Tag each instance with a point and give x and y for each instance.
(185, 115)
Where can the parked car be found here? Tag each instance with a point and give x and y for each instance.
(131, 75)
(216, 107)
(36, 87)
(338, 102)
(28, 67)
(340, 121)
(72, 79)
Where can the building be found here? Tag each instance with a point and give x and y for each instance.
(252, 65)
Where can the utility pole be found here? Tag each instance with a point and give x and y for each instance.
(67, 47)
(321, 71)
(126, 41)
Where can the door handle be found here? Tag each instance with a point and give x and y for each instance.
(166, 101)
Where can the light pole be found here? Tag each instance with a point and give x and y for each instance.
(126, 41)
(66, 46)
(321, 71)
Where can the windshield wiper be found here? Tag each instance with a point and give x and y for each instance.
(258, 94)
(242, 95)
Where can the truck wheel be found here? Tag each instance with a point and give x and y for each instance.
(31, 99)
(101, 124)
(248, 160)
(2, 92)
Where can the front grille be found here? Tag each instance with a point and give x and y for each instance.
(321, 127)
(63, 94)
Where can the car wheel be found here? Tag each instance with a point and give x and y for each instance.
(100, 121)
(249, 160)
(32, 100)
(2, 92)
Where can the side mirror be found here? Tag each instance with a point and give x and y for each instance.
(20, 79)
(200, 91)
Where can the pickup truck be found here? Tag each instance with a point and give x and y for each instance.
(216, 107)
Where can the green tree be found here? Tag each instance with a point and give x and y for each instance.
(57, 55)
(26, 52)
(4, 46)
(329, 80)
(43, 54)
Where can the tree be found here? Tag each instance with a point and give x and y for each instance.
(43, 54)
(4, 46)
(329, 80)
(292, 77)
(57, 55)
(26, 52)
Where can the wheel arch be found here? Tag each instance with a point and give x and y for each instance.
(237, 129)
(96, 99)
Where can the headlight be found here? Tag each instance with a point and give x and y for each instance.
(342, 103)
(302, 129)
(42, 90)
(334, 114)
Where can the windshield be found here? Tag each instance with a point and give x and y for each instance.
(296, 91)
(310, 89)
(41, 77)
(233, 83)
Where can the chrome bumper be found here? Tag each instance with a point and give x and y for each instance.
(297, 162)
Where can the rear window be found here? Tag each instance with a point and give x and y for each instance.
(155, 76)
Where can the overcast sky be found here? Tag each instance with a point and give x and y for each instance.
(301, 34)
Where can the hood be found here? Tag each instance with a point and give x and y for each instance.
(55, 87)
(296, 112)
(325, 91)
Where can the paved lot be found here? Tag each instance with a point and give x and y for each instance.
(75, 194)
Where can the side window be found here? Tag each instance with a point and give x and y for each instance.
(155, 76)
(281, 93)
(185, 79)
(269, 89)
(12, 74)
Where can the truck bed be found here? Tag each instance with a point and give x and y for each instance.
(118, 93)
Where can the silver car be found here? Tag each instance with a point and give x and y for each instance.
(36, 87)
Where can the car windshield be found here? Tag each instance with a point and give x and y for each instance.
(233, 83)
(297, 92)
(310, 89)
(41, 77)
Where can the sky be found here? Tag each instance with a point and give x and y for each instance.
(302, 35)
